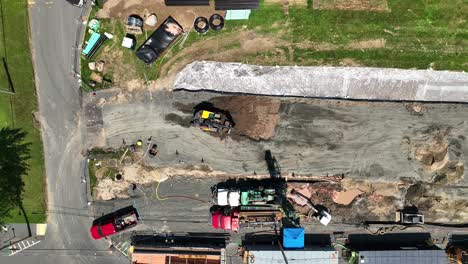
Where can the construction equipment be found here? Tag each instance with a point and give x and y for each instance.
(409, 218)
(252, 196)
(213, 122)
(239, 218)
(323, 216)
(153, 151)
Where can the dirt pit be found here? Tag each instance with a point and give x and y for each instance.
(254, 117)
(440, 158)
(117, 9)
(369, 5)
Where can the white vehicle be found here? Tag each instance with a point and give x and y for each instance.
(224, 197)
(78, 3)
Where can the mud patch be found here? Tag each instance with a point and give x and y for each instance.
(367, 44)
(369, 5)
(255, 117)
(440, 158)
(416, 108)
(177, 119)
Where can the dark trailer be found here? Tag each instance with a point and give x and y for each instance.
(159, 41)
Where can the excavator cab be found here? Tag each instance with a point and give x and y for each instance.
(212, 121)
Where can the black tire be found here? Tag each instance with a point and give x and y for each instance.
(205, 27)
(216, 26)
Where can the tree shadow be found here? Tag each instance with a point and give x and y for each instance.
(14, 154)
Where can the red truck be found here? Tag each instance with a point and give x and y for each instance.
(114, 222)
(245, 217)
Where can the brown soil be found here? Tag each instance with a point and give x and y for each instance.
(367, 44)
(350, 63)
(287, 2)
(120, 10)
(113, 56)
(220, 49)
(346, 197)
(435, 158)
(108, 189)
(369, 5)
(254, 117)
(362, 44)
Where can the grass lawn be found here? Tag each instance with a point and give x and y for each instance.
(17, 52)
(102, 157)
(114, 54)
(419, 34)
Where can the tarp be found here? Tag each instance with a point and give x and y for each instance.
(237, 14)
(293, 237)
(159, 41)
(91, 42)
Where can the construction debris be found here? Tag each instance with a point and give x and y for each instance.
(151, 20)
(346, 197)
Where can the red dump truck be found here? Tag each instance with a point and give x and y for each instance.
(245, 217)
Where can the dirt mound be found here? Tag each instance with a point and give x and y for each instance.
(254, 117)
(440, 159)
(433, 155)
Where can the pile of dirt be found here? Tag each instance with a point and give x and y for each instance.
(369, 5)
(254, 117)
(107, 189)
(321, 195)
(440, 158)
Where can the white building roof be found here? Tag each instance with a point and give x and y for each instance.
(295, 257)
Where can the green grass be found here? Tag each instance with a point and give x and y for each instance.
(97, 155)
(117, 29)
(418, 34)
(16, 31)
(427, 34)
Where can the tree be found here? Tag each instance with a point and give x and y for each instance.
(14, 153)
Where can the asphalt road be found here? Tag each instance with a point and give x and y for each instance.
(54, 27)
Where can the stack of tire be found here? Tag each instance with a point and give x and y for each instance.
(202, 24)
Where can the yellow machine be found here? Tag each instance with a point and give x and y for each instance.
(213, 122)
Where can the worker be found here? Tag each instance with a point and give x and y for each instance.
(139, 143)
(154, 150)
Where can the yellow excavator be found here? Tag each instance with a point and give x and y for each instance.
(212, 121)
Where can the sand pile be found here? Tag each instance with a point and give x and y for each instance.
(254, 117)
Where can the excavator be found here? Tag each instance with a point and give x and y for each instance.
(212, 121)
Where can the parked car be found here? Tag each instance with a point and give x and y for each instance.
(159, 41)
(114, 222)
